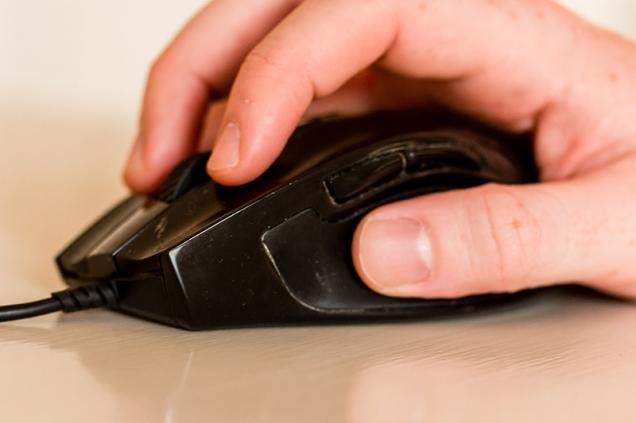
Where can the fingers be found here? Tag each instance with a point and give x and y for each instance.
(200, 62)
(504, 238)
(319, 46)
(463, 62)
(308, 55)
(366, 92)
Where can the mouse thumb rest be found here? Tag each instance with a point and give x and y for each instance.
(198, 255)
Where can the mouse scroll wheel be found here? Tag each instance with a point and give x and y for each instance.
(185, 176)
(364, 176)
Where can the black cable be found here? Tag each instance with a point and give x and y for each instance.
(26, 310)
(102, 294)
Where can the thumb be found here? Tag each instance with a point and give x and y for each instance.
(498, 238)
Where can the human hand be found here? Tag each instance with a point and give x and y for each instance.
(517, 65)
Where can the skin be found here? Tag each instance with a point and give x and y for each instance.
(241, 75)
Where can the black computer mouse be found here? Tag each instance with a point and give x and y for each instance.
(198, 255)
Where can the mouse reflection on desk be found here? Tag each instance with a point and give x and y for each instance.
(519, 360)
(197, 255)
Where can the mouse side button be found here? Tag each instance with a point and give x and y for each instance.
(313, 260)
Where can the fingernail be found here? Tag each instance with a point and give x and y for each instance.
(395, 254)
(226, 151)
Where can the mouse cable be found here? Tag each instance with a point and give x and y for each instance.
(101, 294)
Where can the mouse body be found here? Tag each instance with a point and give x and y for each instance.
(198, 255)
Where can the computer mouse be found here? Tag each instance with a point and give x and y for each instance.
(198, 255)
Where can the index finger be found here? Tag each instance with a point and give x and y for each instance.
(200, 62)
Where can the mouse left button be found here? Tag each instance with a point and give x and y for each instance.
(92, 254)
(185, 176)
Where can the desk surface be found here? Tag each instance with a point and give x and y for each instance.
(67, 113)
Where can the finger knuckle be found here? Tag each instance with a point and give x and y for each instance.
(264, 62)
(513, 240)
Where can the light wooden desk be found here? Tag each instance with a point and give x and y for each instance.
(70, 77)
